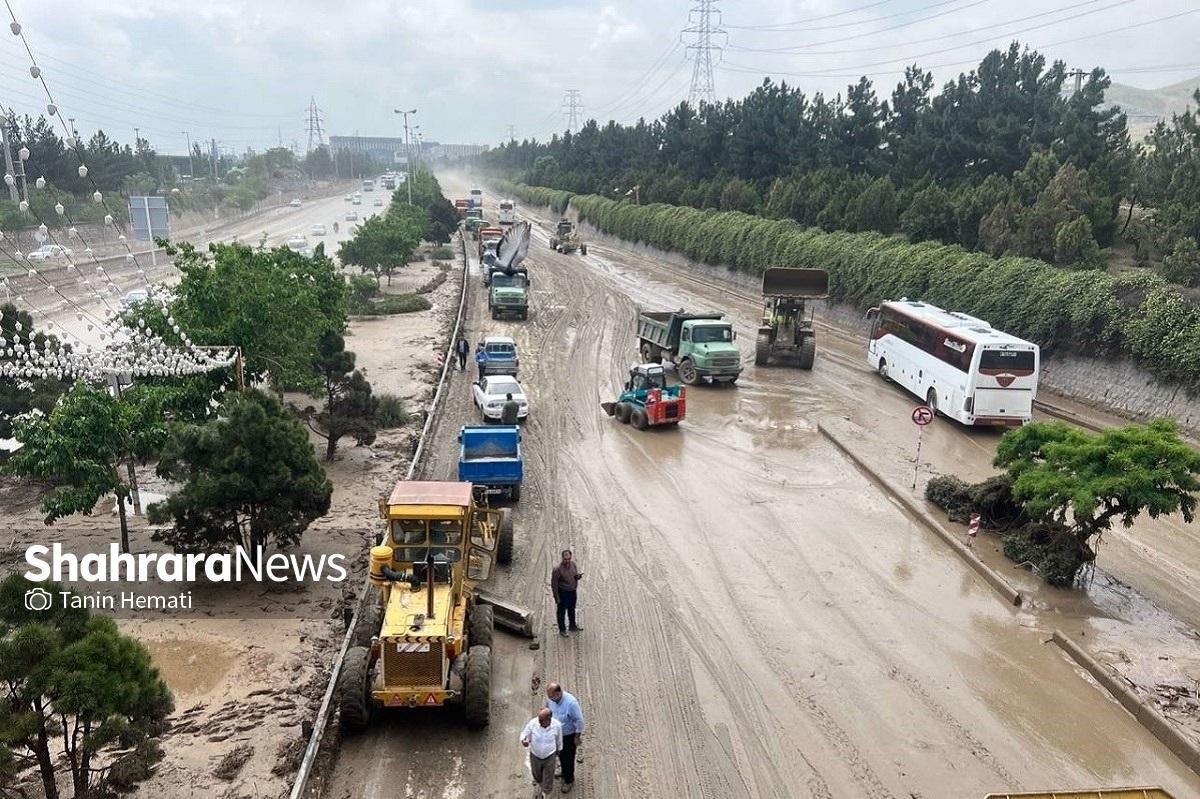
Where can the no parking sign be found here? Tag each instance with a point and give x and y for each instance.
(921, 416)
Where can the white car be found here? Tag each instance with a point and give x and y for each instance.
(297, 243)
(47, 252)
(318, 230)
(357, 200)
(349, 197)
(135, 297)
(490, 393)
(351, 216)
(295, 203)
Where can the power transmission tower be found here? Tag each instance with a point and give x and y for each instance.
(704, 26)
(572, 106)
(1077, 74)
(315, 132)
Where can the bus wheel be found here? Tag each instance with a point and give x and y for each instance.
(931, 401)
(882, 369)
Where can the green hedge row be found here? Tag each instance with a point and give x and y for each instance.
(555, 199)
(1138, 316)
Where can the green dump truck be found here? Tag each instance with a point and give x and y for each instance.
(701, 345)
(508, 292)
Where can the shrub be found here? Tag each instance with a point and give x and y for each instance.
(441, 253)
(390, 412)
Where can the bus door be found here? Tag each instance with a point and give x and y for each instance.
(873, 319)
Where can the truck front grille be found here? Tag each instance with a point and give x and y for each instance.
(408, 663)
(724, 363)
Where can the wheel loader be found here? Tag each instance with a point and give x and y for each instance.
(566, 238)
(424, 637)
(785, 333)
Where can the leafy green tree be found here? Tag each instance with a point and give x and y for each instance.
(875, 208)
(74, 691)
(1074, 245)
(381, 245)
(21, 395)
(1182, 266)
(247, 478)
(318, 163)
(930, 215)
(349, 408)
(273, 304)
(81, 445)
(1077, 484)
(737, 195)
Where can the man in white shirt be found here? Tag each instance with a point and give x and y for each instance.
(543, 738)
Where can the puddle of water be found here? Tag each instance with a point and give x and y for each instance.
(190, 667)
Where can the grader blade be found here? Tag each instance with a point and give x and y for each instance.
(507, 615)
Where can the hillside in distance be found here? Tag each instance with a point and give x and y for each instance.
(1144, 107)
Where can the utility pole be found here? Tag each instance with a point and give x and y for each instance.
(8, 161)
(704, 25)
(212, 154)
(512, 133)
(1077, 74)
(191, 166)
(408, 167)
(572, 106)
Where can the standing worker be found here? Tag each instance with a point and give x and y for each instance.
(511, 410)
(564, 582)
(565, 709)
(462, 348)
(481, 358)
(543, 738)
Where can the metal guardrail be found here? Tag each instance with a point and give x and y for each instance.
(301, 784)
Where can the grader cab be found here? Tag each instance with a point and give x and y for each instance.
(423, 638)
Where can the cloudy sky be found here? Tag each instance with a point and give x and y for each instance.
(243, 71)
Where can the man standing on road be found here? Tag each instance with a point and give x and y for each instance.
(462, 349)
(511, 411)
(564, 581)
(543, 738)
(565, 709)
(481, 358)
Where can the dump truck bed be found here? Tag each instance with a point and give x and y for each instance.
(807, 284)
(490, 455)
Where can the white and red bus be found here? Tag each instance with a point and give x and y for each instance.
(957, 364)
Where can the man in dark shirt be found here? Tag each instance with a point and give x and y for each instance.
(511, 410)
(462, 349)
(564, 581)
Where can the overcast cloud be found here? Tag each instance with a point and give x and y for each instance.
(243, 72)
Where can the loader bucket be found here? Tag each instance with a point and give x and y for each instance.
(508, 616)
(609, 407)
(809, 284)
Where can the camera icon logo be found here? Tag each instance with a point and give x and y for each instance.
(38, 599)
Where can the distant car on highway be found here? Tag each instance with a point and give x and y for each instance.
(378, 202)
(48, 252)
(357, 200)
(134, 297)
(349, 197)
(297, 243)
(351, 216)
(295, 203)
(308, 252)
(318, 230)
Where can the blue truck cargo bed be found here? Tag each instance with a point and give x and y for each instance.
(490, 456)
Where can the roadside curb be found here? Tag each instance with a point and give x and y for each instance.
(1011, 595)
(1157, 724)
(303, 782)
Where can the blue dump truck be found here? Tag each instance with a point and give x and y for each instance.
(489, 457)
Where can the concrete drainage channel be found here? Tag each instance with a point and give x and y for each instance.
(306, 783)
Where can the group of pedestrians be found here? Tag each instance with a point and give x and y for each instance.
(553, 736)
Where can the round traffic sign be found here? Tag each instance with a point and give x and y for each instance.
(922, 415)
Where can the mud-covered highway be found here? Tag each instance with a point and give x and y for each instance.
(760, 619)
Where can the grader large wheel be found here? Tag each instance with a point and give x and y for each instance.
(480, 625)
(477, 697)
(370, 620)
(353, 705)
(504, 543)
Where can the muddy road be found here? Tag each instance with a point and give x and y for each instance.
(760, 621)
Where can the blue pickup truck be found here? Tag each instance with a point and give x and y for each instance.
(490, 458)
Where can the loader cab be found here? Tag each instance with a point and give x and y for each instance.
(646, 376)
(565, 227)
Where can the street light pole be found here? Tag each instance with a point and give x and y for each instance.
(191, 166)
(407, 152)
